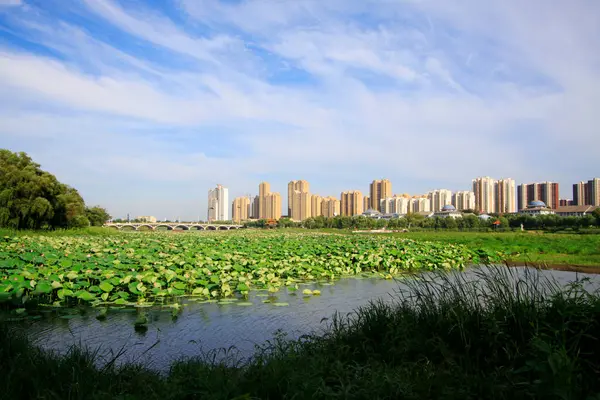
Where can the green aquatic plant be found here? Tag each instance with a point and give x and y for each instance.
(138, 269)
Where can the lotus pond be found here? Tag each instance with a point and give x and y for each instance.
(145, 269)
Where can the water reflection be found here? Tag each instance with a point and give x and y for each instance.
(204, 327)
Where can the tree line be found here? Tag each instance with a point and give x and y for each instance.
(31, 198)
(467, 222)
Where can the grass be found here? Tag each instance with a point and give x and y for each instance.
(501, 337)
(539, 248)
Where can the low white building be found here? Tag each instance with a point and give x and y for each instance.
(536, 207)
(448, 211)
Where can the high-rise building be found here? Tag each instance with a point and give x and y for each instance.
(505, 196)
(483, 188)
(351, 203)
(255, 213)
(420, 204)
(379, 189)
(218, 204)
(464, 200)
(301, 206)
(316, 205)
(264, 188)
(273, 206)
(439, 198)
(593, 189)
(580, 194)
(565, 202)
(396, 205)
(545, 191)
(330, 207)
(240, 209)
(301, 186)
(269, 203)
(366, 203)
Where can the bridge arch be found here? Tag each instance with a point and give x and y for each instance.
(144, 226)
(182, 227)
(163, 227)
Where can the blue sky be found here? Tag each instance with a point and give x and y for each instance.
(145, 105)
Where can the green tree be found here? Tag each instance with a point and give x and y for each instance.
(97, 215)
(596, 214)
(31, 198)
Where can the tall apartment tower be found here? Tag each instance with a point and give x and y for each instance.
(299, 200)
(593, 189)
(330, 207)
(483, 188)
(464, 200)
(316, 205)
(264, 188)
(396, 205)
(379, 189)
(240, 209)
(580, 194)
(439, 198)
(351, 203)
(218, 204)
(545, 191)
(366, 203)
(505, 196)
(255, 213)
(273, 206)
(420, 204)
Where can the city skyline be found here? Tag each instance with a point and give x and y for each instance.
(488, 195)
(143, 106)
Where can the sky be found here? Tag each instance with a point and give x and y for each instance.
(143, 106)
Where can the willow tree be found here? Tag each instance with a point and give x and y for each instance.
(31, 198)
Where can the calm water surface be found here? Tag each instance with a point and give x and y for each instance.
(205, 327)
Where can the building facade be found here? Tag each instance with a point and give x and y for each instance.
(273, 206)
(396, 205)
(264, 188)
(366, 202)
(316, 205)
(330, 207)
(505, 196)
(464, 200)
(420, 204)
(255, 213)
(351, 203)
(483, 188)
(269, 203)
(593, 189)
(218, 204)
(545, 191)
(297, 209)
(439, 198)
(240, 209)
(301, 206)
(379, 189)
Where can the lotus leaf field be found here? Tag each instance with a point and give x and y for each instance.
(144, 268)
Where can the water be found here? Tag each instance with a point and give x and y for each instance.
(205, 327)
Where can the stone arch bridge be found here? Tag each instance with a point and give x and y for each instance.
(170, 226)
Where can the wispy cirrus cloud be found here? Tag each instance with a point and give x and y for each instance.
(144, 107)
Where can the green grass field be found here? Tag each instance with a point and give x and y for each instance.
(527, 247)
(538, 248)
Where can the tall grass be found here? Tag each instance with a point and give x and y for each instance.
(495, 335)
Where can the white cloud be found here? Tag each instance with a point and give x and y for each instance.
(11, 2)
(415, 101)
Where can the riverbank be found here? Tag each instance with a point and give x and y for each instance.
(450, 339)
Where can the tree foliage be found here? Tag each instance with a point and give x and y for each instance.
(97, 215)
(31, 198)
